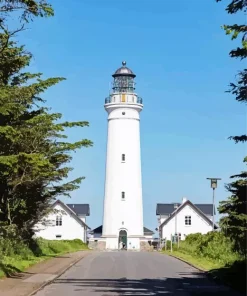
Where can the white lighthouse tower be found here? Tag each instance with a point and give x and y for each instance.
(123, 210)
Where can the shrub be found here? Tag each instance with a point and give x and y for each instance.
(213, 245)
(12, 244)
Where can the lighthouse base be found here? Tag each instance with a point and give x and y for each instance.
(112, 244)
(100, 242)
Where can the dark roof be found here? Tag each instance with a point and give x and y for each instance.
(167, 209)
(72, 213)
(181, 206)
(99, 230)
(80, 209)
(124, 71)
(147, 231)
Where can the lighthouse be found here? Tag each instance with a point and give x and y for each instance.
(123, 207)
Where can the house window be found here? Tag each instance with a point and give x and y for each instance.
(59, 221)
(123, 157)
(187, 220)
(58, 236)
(123, 195)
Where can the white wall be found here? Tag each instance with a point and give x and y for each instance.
(123, 138)
(96, 235)
(83, 218)
(112, 243)
(69, 230)
(162, 218)
(198, 224)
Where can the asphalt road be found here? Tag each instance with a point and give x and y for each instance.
(132, 274)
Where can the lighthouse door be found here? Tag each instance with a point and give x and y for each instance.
(123, 239)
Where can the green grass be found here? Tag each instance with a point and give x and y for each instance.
(199, 262)
(19, 260)
(232, 273)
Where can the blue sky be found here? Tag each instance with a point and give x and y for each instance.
(180, 56)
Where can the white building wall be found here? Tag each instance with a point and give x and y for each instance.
(112, 243)
(162, 218)
(96, 235)
(123, 138)
(133, 243)
(69, 230)
(198, 224)
(83, 218)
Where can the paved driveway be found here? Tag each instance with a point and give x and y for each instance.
(132, 274)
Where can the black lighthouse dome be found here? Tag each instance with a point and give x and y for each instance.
(124, 71)
(124, 80)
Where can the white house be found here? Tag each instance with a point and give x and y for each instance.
(66, 221)
(183, 219)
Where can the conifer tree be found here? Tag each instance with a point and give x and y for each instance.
(34, 150)
(234, 221)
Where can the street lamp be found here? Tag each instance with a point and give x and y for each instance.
(176, 232)
(213, 185)
(158, 229)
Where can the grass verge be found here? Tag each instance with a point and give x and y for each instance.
(40, 251)
(199, 262)
(231, 274)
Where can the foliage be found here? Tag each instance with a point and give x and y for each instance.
(15, 255)
(34, 150)
(28, 9)
(213, 245)
(213, 252)
(12, 243)
(234, 221)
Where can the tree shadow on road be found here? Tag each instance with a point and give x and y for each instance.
(233, 275)
(184, 284)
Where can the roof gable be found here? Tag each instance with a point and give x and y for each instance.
(147, 231)
(68, 210)
(181, 207)
(167, 209)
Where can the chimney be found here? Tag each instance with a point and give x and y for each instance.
(184, 199)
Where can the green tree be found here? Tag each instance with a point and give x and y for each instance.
(26, 9)
(234, 221)
(34, 150)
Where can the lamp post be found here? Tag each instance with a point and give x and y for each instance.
(176, 226)
(158, 229)
(213, 185)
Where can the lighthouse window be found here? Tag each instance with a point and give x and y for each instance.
(123, 157)
(123, 195)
